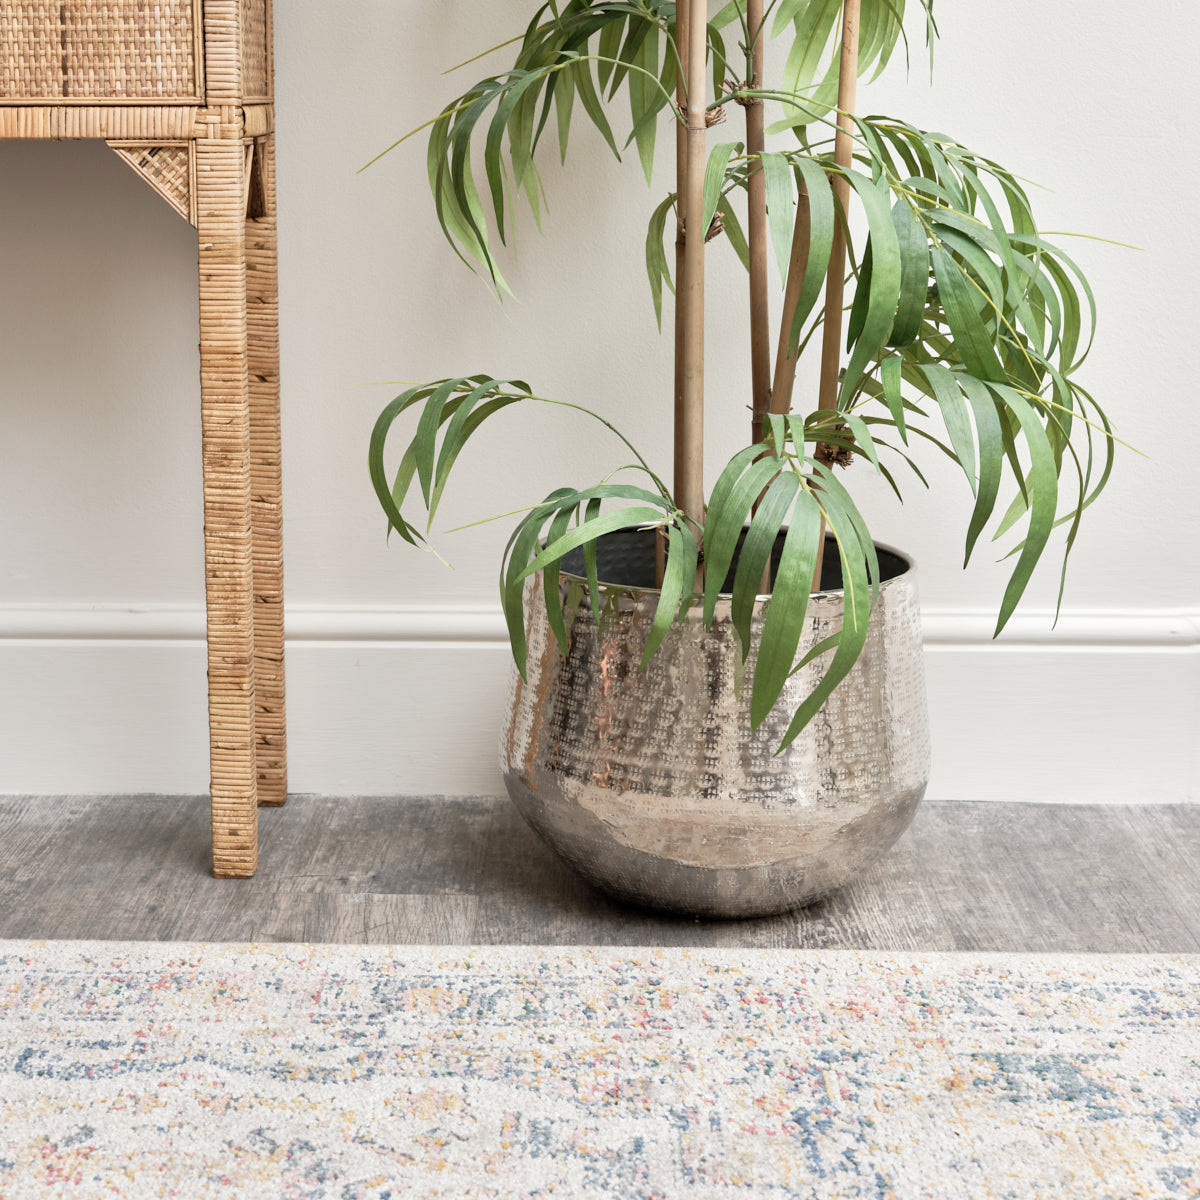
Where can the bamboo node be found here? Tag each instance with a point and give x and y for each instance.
(714, 116)
(716, 227)
(835, 456)
(731, 90)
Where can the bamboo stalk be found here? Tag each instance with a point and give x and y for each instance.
(682, 27)
(760, 333)
(689, 464)
(780, 400)
(835, 282)
(785, 362)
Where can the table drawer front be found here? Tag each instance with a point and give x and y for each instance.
(99, 50)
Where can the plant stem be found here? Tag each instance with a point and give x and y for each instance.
(835, 280)
(785, 361)
(682, 26)
(689, 436)
(756, 187)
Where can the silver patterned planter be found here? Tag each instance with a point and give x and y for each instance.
(652, 785)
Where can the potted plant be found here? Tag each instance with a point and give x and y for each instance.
(717, 704)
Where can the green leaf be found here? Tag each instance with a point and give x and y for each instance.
(862, 437)
(723, 528)
(890, 376)
(784, 623)
(591, 511)
(726, 482)
(678, 579)
(858, 309)
(855, 611)
(465, 420)
(591, 103)
(991, 458)
(735, 234)
(822, 218)
(551, 593)
(777, 177)
(1043, 496)
(657, 267)
(984, 273)
(960, 302)
(714, 179)
(954, 413)
(493, 168)
(765, 525)
(814, 25)
(388, 500)
(607, 48)
(590, 530)
(424, 443)
(521, 545)
(914, 276)
(564, 104)
(645, 99)
(884, 286)
(639, 29)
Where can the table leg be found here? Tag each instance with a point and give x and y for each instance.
(225, 419)
(262, 327)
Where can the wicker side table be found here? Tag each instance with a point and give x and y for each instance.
(182, 91)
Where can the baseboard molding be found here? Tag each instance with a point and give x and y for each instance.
(1112, 628)
(1102, 708)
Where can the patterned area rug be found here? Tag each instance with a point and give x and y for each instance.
(356, 1072)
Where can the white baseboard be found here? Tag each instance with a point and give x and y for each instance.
(1103, 709)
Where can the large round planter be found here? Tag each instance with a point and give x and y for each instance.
(652, 784)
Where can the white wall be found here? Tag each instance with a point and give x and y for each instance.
(396, 665)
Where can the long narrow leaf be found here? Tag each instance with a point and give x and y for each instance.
(784, 623)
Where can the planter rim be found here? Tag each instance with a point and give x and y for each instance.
(909, 572)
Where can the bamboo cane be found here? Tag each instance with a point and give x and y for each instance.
(835, 282)
(785, 362)
(756, 186)
(682, 27)
(780, 400)
(689, 463)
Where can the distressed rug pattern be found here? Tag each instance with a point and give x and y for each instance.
(368, 1072)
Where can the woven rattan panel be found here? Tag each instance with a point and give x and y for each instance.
(98, 50)
(256, 66)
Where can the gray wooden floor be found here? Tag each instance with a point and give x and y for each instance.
(990, 877)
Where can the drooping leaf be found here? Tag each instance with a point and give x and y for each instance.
(822, 216)
(1043, 496)
(657, 267)
(644, 98)
(714, 179)
(784, 624)
(991, 458)
(678, 579)
(914, 276)
(884, 285)
(961, 305)
(777, 179)
(721, 531)
(755, 555)
(944, 384)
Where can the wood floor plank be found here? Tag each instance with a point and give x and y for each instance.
(1078, 888)
(974, 877)
(32, 826)
(439, 919)
(1166, 840)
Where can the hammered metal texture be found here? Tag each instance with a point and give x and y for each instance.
(652, 784)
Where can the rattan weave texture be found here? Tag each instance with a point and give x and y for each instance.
(182, 92)
(99, 50)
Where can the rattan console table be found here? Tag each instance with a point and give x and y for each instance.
(182, 91)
